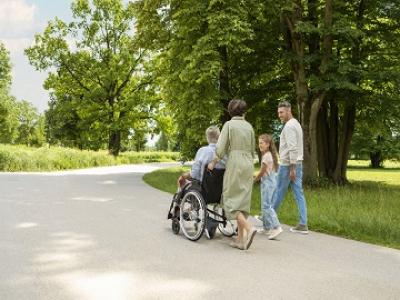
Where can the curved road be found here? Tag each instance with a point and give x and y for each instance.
(102, 234)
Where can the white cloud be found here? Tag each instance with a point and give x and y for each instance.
(16, 17)
(16, 44)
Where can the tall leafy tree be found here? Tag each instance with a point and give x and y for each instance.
(325, 56)
(208, 52)
(95, 73)
(30, 129)
(336, 49)
(8, 112)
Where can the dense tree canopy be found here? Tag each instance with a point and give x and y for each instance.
(119, 72)
(326, 57)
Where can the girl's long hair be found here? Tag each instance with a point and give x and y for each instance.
(267, 138)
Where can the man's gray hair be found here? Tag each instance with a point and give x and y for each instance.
(212, 134)
(285, 104)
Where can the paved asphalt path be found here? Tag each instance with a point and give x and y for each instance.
(103, 234)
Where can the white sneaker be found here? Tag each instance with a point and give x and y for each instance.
(268, 232)
(275, 232)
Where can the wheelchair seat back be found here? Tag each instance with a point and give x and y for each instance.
(211, 187)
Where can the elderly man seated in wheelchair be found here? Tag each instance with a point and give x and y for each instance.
(197, 189)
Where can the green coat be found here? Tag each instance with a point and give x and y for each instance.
(238, 143)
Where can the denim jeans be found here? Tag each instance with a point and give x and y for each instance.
(297, 188)
(268, 191)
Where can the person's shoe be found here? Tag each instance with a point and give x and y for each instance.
(300, 228)
(237, 245)
(250, 237)
(264, 231)
(267, 232)
(261, 230)
(275, 232)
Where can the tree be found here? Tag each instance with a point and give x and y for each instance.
(325, 56)
(337, 48)
(8, 111)
(97, 79)
(377, 134)
(207, 53)
(29, 131)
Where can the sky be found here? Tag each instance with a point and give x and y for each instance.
(19, 21)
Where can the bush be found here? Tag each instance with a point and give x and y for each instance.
(22, 158)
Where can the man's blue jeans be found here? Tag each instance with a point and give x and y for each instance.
(297, 188)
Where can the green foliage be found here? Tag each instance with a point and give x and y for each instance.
(31, 125)
(98, 87)
(119, 72)
(5, 69)
(377, 144)
(19, 120)
(22, 158)
(208, 52)
(9, 120)
(8, 113)
(162, 143)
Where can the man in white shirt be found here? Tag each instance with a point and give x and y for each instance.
(291, 165)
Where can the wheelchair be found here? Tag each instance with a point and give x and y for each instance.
(196, 207)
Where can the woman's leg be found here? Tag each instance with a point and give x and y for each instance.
(240, 231)
(250, 231)
(243, 226)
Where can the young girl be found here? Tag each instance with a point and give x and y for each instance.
(267, 175)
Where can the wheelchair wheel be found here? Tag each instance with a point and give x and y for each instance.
(192, 215)
(175, 226)
(229, 229)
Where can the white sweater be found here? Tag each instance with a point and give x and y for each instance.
(291, 143)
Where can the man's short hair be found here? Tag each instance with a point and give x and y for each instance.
(285, 104)
(237, 107)
(212, 134)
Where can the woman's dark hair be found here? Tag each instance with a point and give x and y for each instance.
(237, 107)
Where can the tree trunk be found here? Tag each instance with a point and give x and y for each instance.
(114, 135)
(114, 142)
(339, 176)
(313, 42)
(333, 136)
(376, 159)
(323, 142)
(313, 129)
(224, 89)
(296, 45)
(376, 156)
(318, 98)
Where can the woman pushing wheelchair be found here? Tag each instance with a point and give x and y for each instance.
(237, 141)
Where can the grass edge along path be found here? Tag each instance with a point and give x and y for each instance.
(367, 210)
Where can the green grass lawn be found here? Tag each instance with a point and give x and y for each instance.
(366, 210)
